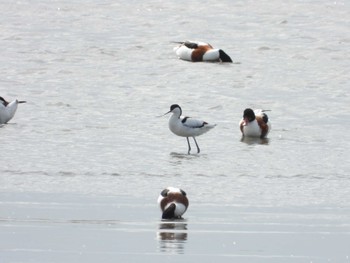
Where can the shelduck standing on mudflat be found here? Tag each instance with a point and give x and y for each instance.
(8, 109)
(173, 203)
(186, 126)
(199, 51)
(255, 123)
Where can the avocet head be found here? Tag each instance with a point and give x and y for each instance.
(3, 101)
(248, 116)
(176, 109)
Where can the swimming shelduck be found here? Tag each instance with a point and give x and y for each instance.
(199, 51)
(8, 109)
(255, 123)
(173, 202)
(186, 126)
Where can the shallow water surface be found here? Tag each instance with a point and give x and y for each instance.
(84, 160)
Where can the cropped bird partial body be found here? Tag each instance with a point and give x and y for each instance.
(173, 203)
(199, 51)
(186, 126)
(255, 123)
(8, 109)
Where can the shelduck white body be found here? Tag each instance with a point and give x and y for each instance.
(8, 109)
(255, 123)
(199, 51)
(173, 203)
(186, 126)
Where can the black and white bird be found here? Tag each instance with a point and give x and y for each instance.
(173, 203)
(186, 126)
(255, 123)
(8, 109)
(200, 51)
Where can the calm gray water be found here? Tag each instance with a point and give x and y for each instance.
(84, 160)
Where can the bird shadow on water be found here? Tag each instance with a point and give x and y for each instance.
(178, 158)
(3, 125)
(254, 141)
(186, 156)
(172, 236)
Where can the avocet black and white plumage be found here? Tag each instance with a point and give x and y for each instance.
(199, 51)
(8, 109)
(186, 126)
(255, 123)
(173, 202)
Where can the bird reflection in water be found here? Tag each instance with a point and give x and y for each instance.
(252, 141)
(172, 237)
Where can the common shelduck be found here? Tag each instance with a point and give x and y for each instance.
(173, 203)
(8, 109)
(255, 123)
(199, 51)
(186, 126)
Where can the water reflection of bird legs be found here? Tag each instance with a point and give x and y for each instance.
(172, 237)
(252, 141)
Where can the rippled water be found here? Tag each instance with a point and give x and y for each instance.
(85, 159)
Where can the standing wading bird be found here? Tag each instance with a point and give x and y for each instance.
(186, 126)
(255, 123)
(199, 51)
(173, 202)
(8, 109)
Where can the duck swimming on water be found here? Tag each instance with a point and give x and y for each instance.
(200, 51)
(255, 123)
